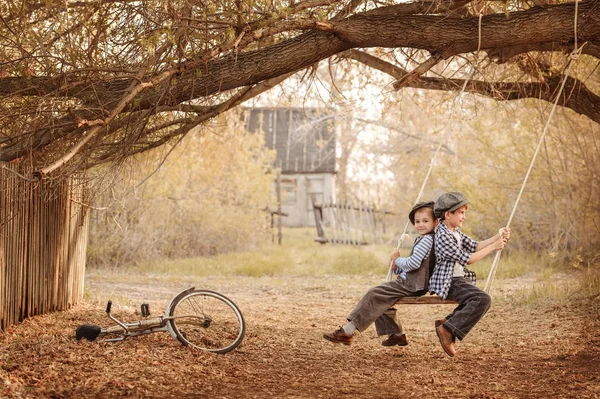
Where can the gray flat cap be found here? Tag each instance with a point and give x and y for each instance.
(419, 205)
(449, 202)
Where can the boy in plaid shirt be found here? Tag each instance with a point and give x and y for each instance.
(451, 279)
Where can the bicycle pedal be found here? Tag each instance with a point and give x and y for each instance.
(145, 310)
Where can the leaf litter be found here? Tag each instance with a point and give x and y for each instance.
(517, 351)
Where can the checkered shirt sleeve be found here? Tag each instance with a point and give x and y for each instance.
(447, 253)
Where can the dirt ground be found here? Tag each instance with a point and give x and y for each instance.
(516, 351)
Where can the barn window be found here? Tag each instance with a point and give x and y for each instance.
(289, 191)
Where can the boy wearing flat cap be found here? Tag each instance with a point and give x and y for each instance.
(413, 275)
(451, 279)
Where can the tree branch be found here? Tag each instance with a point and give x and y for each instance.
(418, 71)
(580, 98)
(230, 66)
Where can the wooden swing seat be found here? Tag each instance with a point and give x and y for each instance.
(425, 300)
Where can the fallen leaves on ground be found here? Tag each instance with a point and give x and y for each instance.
(517, 351)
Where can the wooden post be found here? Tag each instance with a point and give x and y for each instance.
(335, 224)
(279, 222)
(332, 223)
(318, 213)
(354, 230)
(272, 228)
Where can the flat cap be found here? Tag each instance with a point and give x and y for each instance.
(449, 202)
(419, 205)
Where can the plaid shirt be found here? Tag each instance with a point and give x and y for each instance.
(447, 253)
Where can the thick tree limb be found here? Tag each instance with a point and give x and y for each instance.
(186, 124)
(503, 55)
(389, 27)
(370, 29)
(577, 95)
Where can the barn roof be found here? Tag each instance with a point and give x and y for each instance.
(304, 138)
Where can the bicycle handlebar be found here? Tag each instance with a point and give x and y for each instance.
(108, 306)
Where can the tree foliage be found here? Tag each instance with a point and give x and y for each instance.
(90, 82)
(204, 197)
(489, 151)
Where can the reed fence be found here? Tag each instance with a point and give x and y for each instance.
(43, 240)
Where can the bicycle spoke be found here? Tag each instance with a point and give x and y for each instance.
(209, 321)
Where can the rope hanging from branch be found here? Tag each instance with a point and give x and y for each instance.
(390, 274)
(573, 57)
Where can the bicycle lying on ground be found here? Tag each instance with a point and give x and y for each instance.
(203, 319)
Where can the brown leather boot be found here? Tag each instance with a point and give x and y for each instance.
(395, 339)
(446, 339)
(338, 337)
(439, 322)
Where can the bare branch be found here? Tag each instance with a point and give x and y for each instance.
(84, 88)
(418, 71)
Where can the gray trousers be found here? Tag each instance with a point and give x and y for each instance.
(473, 305)
(375, 306)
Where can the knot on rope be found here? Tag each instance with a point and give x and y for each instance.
(575, 54)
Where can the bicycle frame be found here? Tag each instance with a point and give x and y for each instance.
(132, 329)
(146, 326)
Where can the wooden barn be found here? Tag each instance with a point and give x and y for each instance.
(305, 142)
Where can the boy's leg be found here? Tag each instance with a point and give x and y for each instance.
(456, 309)
(473, 305)
(388, 323)
(376, 302)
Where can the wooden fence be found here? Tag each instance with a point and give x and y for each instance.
(349, 224)
(43, 239)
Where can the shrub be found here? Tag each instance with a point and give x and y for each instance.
(206, 198)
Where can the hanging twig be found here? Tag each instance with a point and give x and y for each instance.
(34, 179)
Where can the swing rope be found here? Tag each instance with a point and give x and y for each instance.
(573, 57)
(390, 274)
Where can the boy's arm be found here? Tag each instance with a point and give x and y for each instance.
(505, 235)
(413, 262)
(491, 247)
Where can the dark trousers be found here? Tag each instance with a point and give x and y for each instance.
(473, 305)
(375, 305)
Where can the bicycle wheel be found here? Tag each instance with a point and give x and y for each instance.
(207, 321)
